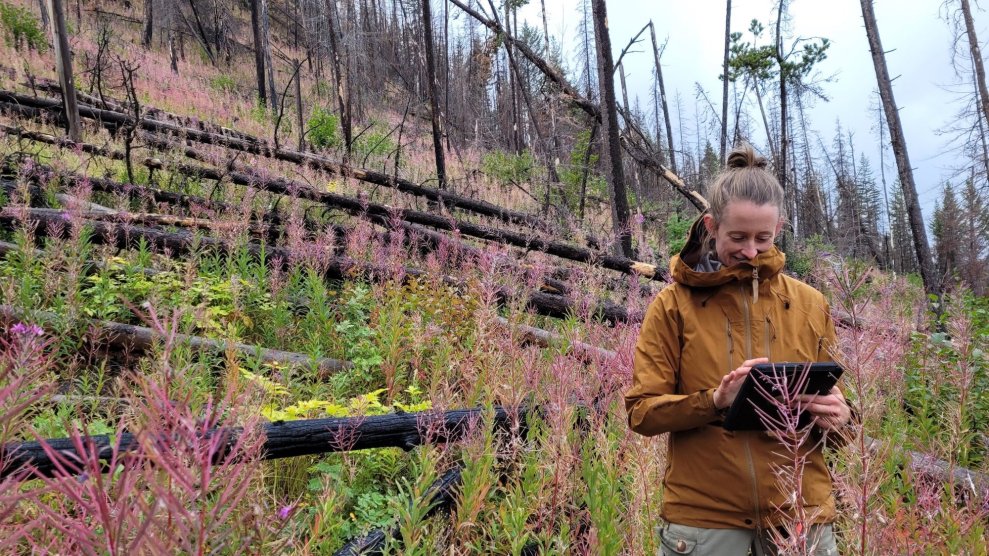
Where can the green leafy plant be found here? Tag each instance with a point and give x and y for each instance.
(324, 129)
(364, 404)
(508, 168)
(578, 174)
(21, 28)
(677, 227)
(223, 83)
(374, 143)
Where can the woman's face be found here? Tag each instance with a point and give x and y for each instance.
(746, 230)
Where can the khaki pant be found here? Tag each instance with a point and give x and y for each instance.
(697, 541)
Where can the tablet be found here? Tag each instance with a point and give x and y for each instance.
(754, 401)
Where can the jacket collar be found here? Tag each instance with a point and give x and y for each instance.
(763, 266)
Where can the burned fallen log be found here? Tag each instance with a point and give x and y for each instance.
(23, 104)
(125, 236)
(269, 219)
(109, 186)
(545, 338)
(109, 103)
(283, 439)
(128, 336)
(385, 215)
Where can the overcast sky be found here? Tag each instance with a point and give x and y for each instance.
(916, 38)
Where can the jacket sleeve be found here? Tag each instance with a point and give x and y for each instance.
(653, 404)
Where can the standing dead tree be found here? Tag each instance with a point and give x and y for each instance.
(612, 153)
(973, 45)
(63, 61)
(591, 108)
(724, 84)
(258, 50)
(905, 170)
(433, 93)
(662, 96)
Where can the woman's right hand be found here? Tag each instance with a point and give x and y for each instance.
(725, 393)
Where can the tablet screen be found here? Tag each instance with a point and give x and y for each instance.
(754, 406)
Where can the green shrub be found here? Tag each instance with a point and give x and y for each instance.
(21, 28)
(801, 259)
(677, 227)
(572, 173)
(324, 129)
(508, 168)
(373, 143)
(223, 83)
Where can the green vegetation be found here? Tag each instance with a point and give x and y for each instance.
(677, 227)
(578, 174)
(21, 28)
(508, 168)
(223, 83)
(324, 129)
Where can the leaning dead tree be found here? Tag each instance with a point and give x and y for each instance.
(976, 53)
(904, 169)
(572, 95)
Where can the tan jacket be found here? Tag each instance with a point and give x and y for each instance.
(698, 329)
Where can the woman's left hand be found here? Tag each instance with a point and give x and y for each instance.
(830, 411)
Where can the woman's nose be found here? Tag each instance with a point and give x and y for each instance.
(749, 251)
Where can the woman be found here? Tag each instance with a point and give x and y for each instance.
(730, 307)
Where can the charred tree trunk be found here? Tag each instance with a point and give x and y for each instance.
(724, 85)
(258, 51)
(612, 151)
(283, 439)
(27, 105)
(45, 19)
(131, 337)
(266, 50)
(434, 105)
(921, 246)
(125, 236)
(148, 25)
(973, 45)
(299, 124)
(173, 51)
(781, 170)
(662, 96)
(555, 147)
(63, 62)
(343, 100)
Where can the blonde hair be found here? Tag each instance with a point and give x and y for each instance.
(744, 178)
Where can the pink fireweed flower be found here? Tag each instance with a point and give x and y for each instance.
(285, 511)
(27, 330)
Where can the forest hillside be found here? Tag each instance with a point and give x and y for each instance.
(366, 276)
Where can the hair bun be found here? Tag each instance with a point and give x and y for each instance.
(744, 156)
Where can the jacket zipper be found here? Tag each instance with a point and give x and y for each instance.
(730, 343)
(748, 325)
(769, 339)
(747, 313)
(755, 484)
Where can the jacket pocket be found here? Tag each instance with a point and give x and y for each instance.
(677, 539)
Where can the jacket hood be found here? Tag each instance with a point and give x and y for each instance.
(765, 265)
